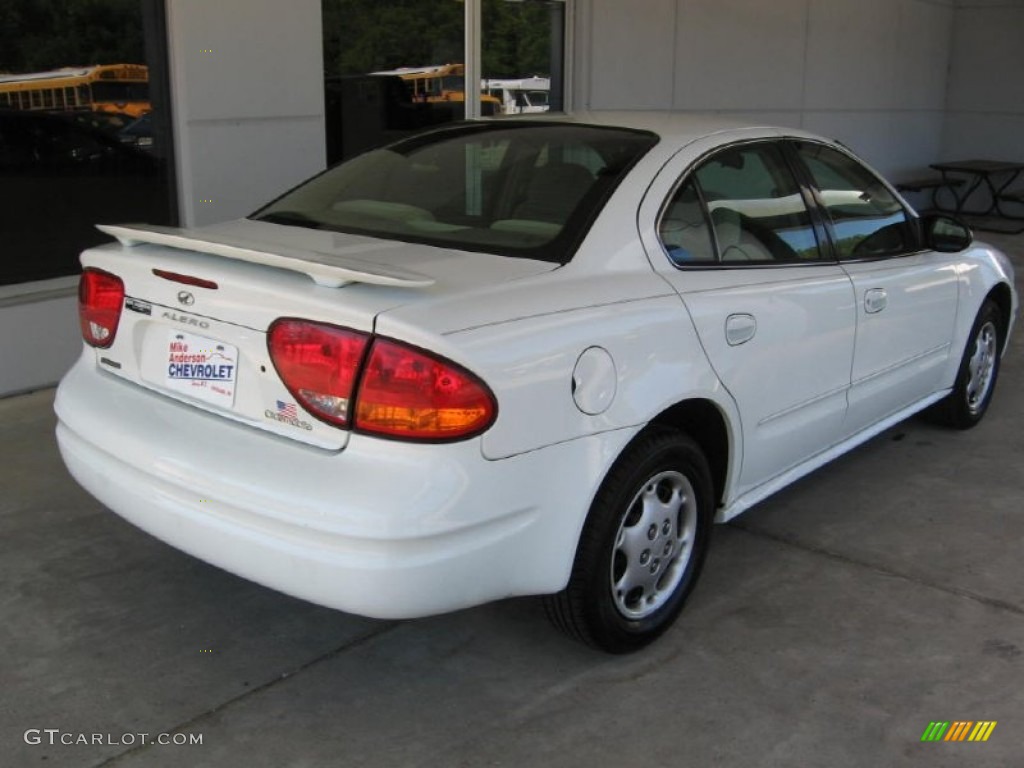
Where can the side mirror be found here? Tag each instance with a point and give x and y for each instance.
(946, 234)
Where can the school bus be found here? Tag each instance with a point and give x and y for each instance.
(116, 88)
(440, 83)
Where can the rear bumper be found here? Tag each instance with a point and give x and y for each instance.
(382, 528)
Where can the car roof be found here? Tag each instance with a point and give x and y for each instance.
(674, 127)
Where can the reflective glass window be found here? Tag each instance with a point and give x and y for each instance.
(867, 219)
(758, 213)
(72, 84)
(684, 229)
(504, 187)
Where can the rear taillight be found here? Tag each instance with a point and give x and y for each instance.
(318, 364)
(408, 393)
(399, 391)
(100, 298)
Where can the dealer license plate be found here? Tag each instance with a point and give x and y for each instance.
(202, 368)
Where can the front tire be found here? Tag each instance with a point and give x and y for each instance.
(965, 406)
(642, 547)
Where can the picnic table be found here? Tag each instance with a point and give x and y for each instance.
(932, 184)
(982, 172)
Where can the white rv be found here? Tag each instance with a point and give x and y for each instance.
(526, 95)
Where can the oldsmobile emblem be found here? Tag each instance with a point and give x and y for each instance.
(186, 298)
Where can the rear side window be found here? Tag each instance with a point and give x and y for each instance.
(684, 229)
(753, 212)
(867, 219)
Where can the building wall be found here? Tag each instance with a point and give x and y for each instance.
(877, 74)
(985, 117)
(39, 339)
(872, 73)
(247, 89)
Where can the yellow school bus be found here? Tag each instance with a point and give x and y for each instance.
(117, 88)
(439, 83)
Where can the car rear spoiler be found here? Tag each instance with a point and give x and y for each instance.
(326, 269)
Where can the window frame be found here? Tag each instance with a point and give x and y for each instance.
(818, 218)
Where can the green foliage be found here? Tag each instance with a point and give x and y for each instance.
(359, 35)
(368, 35)
(516, 38)
(38, 35)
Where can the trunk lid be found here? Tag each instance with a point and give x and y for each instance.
(206, 346)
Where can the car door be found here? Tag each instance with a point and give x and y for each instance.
(737, 240)
(906, 297)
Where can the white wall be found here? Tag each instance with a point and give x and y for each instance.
(985, 117)
(871, 73)
(247, 88)
(39, 336)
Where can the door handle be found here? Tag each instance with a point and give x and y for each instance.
(739, 329)
(875, 300)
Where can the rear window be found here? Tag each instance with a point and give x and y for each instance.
(528, 190)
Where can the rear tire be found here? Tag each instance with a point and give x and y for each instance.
(965, 406)
(642, 547)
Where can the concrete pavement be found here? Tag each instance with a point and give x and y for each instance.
(833, 623)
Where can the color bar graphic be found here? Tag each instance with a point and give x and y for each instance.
(958, 730)
(982, 730)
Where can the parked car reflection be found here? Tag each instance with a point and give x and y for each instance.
(59, 176)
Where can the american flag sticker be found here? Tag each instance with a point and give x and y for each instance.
(287, 410)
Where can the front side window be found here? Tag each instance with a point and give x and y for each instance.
(514, 189)
(756, 210)
(867, 219)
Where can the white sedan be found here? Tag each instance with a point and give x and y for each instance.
(520, 357)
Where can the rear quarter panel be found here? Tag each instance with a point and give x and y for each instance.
(524, 337)
(528, 360)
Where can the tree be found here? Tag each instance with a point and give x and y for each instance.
(368, 35)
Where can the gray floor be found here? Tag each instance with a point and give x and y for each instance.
(833, 623)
